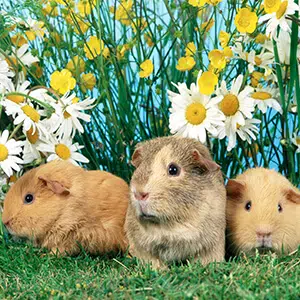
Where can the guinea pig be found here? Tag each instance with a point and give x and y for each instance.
(65, 208)
(177, 203)
(263, 212)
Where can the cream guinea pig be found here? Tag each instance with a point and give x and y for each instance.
(62, 207)
(263, 211)
(177, 207)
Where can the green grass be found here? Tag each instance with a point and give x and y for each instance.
(26, 272)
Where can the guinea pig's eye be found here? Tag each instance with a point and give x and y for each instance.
(279, 208)
(173, 170)
(248, 206)
(28, 199)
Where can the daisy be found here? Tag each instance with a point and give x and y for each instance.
(5, 73)
(31, 143)
(266, 97)
(193, 114)
(296, 141)
(262, 60)
(278, 18)
(27, 59)
(21, 88)
(36, 29)
(246, 132)
(235, 104)
(25, 113)
(68, 112)
(9, 149)
(63, 150)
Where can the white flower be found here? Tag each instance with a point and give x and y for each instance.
(25, 113)
(5, 73)
(192, 114)
(246, 132)
(296, 141)
(36, 27)
(68, 113)
(9, 149)
(278, 18)
(63, 149)
(262, 60)
(31, 143)
(26, 58)
(266, 97)
(236, 105)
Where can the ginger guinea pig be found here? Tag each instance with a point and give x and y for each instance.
(263, 212)
(177, 207)
(63, 208)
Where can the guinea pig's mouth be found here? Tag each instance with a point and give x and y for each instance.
(148, 218)
(264, 249)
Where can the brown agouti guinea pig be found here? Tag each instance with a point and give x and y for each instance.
(263, 212)
(62, 207)
(177, 207)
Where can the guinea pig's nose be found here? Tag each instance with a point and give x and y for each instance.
(141, 196)
(263, 233)
(6, 223)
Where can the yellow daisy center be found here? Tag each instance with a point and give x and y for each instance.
(229, 105)
(297, 141)
(282, 9)
(63, 151)
(3, 152)
(257, 60)
(32, 137)
(195, 113)
(15, 98)
(261, 95)
(271, 5)
(66, 115)
(31, 113)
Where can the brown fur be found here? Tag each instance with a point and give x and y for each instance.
(188, 210)
(265, 189)
(72, 207)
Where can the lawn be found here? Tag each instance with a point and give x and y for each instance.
(26, 272)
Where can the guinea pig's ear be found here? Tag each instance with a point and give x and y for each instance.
(136, 158)
(205, 163)
(55, 186)
(293, 196)
(235, 189)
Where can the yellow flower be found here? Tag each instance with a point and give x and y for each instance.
(197, 3)
(18, 40)
(228, 52)
(93, 47)
(106, 52)
(207, 83)
(78, 24)
(190, 49)
(185, 63)
(271, 6)
(245, 20)
(123, 11)
(139, 24)
(88, 81)
(146, 68)
(217, 59)
(37, 30)
(224, 38)
(207, 25)
(50, 11)
(148, 39)
(62, 81)
(76, 63)
(260, 38)
(84, 7)
(214, 2)
(121, 51)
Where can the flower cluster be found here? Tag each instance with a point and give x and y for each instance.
(216, 108)
(40, 124)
